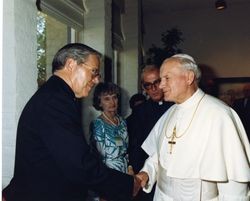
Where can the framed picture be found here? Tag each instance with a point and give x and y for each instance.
(230, 89)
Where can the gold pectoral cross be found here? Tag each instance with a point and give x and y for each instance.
(172, 141)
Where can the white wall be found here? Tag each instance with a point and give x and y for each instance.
(96, 34)
(19, 72)
(128, 71)
(218, 39)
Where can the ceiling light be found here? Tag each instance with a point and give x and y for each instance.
(220, 4)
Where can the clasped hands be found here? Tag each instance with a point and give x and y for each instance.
(140, 181)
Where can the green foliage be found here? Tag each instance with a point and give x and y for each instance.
(170, 39)
(41, 47)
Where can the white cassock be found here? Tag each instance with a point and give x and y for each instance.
(210, 159)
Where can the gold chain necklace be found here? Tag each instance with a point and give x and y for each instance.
(110, 120)
(174, 136)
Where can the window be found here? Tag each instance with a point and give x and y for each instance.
(59, 23)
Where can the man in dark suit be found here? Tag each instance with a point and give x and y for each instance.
(53, 161)
(242, 107)
(145, 117)
(134, 102)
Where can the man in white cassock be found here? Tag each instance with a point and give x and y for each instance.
(198, 150)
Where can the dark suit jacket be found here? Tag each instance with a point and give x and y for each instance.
(53, 161)
(139, 126)
(244, 113)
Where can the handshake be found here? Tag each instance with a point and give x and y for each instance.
(140, 180)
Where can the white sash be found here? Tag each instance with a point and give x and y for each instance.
(186, 189)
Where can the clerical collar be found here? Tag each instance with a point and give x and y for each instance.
(192, 100)
(160, 102)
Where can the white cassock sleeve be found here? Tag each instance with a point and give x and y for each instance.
(151, 146)
(151, 167)
(233, 191)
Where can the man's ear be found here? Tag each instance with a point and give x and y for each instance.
(190, 77)
(70, 64)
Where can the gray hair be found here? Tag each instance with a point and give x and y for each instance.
(148, 69)
(77, 51)
(188, 63)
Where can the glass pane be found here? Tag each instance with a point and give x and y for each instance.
(51, 35)
(41, 48)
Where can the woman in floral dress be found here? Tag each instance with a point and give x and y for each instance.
(109, 131)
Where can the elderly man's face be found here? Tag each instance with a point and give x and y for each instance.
(151, 82)
(85, 76)
(173, 81)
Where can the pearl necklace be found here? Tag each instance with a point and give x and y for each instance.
(112, 122)
(174, 136)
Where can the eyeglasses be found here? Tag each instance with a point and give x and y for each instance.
(151, 85)
(94, 71)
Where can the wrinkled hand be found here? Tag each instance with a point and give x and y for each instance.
(137, 185)
(143, 176)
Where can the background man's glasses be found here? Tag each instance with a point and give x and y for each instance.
(151, 85)
(94, 71)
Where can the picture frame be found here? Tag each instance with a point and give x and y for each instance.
(230, 89)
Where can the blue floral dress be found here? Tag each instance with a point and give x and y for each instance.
(112, 143)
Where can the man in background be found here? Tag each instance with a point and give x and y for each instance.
(134, 102)
(145, 117)
(242, 107)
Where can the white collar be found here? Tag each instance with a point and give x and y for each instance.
(193, 100)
